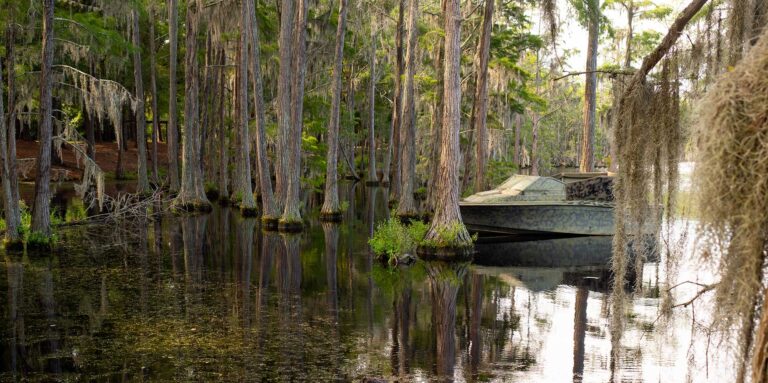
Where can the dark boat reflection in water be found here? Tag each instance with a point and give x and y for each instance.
(214, 298)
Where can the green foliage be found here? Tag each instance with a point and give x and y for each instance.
(498, 171)
(448, 237)
(75, 211)
(394, 238)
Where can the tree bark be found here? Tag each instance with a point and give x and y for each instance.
(291, 219)
(535, 144)
(120, 138)
(590, 91)
(437, 121)
(11, 224)
(192, 193)
(242, 181)
(173, 124)
(447, 217)
(141, 117)
(394, 128)
(41, 221)
(480, 107)
(373, 178)
(518, 129)
(407, 206)
(630, 6)
(284, 101)
(331, 210)
(270, 212)
(153, 89)
(11, 126)
(666, 44)
(222, 133)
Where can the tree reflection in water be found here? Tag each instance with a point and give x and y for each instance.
(444, 281)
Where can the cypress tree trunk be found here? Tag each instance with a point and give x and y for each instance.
(223, 139)
(192, 193)
(41, 221)
(331, 210)
(173, 123)
(11, 126)
(11, 223)
(480, 106)
(394, 129)
(447, 217)
(407, 206)
(141, 117)
(518, 129)
(373, 178)
(590, 92)
(120, 138)
(153, 89)
(437, 121)
(242, 186)
(284, 102)
(291, 219)
(270, 212)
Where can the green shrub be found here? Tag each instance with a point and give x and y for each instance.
(393, 238)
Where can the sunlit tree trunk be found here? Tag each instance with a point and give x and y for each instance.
(242, 181)
(291, 219)
(153, 89)
(141, 117)
(270, 212)
(407, 206)
(437, 121)
(192, 193)
(480, 106)
(447, 217)
(394, 128)
(284, 106)
(331, 210)
(173, 123)
(373, 178)
(41, 221)
(590, 91)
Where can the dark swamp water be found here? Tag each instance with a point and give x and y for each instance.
(214, 298)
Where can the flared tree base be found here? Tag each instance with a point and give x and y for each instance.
(408, 217)
(212, 194)
(334, 216)
(270, 223)
(178, 207)
(14, 245)
(249, 211)
(290, 226)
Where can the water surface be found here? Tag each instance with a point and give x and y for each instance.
(215, 298)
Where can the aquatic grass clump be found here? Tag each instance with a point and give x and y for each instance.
(732, 184)
(393, 238)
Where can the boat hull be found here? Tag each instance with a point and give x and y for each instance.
(566, 217)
